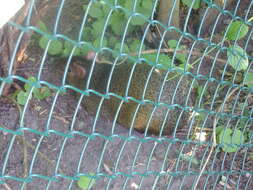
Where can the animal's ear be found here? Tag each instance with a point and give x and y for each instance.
(77, 70)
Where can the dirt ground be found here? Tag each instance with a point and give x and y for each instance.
(119, 158)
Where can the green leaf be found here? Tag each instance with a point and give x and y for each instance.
(22, 97)
(142, 7)
(249, 79)
(41, 93)
(112, 41)
(231, 139)
(128, 5)
(134, 46)
(219, 129)
(137, 20)
(54, 48)
(181, 57)
(196, 3)
(86, 182)
(237, 30)
(42, 26)
(182, 66)
(164, 60)
(237, 58)
(68, 47)
(125, 48)
(27, 86)
(106, 8)
(95, 10)
(87, 34)
(172, 43)
(97, 42)
(84, 49)
(97, 28)
(147, 6)
(118, 23)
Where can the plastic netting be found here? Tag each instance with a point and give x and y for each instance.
(196, 62)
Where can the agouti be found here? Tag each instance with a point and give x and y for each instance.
(137, 93)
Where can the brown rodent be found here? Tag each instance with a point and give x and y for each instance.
(155, 119)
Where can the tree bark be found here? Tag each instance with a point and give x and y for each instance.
(169, 16)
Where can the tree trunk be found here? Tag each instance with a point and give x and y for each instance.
(169, 16)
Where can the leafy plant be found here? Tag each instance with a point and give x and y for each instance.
(42, 26)
(237, 30)
(164, 61)
(196, 3)
(114, 28)
(116, 25)
(230, 139)
(85, 182)
(180, 56)
(55, 46)
(237, 58)
(38, 93)
(103, 31)
(22, 97)
(249, 79)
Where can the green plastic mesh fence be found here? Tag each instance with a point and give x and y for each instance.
(127, 94)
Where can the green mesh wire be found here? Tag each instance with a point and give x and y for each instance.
(77, 149)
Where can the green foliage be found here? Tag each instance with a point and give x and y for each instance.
(135, 46)
(114, 29)
(22, 97)
(164, 60)
(38, 93)
(237, 30)
(41, 93)
(85, 182)
(237, 58)
(97, 43)
(67, 48)
(143, 7)
(196, 3)
(125, 48)
(42, 26)
(27, 86)
(116, 25)
(181, 57)
(99, 11)
(55, 46)
(230, 139)
(172, 43)
(249, 79)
